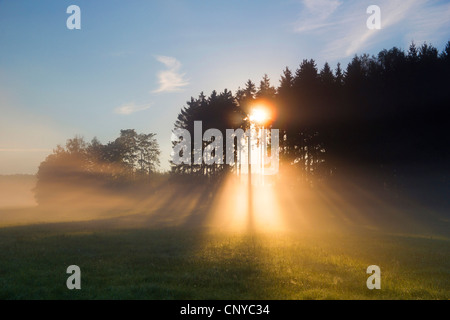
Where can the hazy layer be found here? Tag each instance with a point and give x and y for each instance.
(283, 205)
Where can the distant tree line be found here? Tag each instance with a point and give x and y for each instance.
(383, 114)
(80, 165)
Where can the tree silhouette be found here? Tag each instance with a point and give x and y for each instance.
(80, 166)
(218, 111)
(383, 114)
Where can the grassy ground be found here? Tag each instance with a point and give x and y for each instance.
(175, 263)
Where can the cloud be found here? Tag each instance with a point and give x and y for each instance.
(170, 80)
(130, 108)
(430, 24)
(315, 14)
(341, 26)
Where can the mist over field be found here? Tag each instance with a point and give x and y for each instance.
(185, 241)
(281, 205)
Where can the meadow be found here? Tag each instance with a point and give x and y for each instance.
(175, 252)
(174, 263)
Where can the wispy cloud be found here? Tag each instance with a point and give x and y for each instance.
(430, 23)
(129, 108)
(315, 15)
(342, 26)
(170, 80)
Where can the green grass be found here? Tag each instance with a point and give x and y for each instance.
(178, 263)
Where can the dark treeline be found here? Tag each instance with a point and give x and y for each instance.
(384, 115)
(80, 167)
(219, 111)
(382, 119)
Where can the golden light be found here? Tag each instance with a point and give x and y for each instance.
(259, 115)
(230, 211)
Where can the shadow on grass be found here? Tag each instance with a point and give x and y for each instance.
(193, 263)
(158, 249)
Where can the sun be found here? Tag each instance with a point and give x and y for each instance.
(258, 115)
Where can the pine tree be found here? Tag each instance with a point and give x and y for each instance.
(265, 89)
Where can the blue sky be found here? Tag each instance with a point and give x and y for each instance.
(134, 64)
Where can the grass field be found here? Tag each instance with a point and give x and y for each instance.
(177, 263)
(174, 245)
